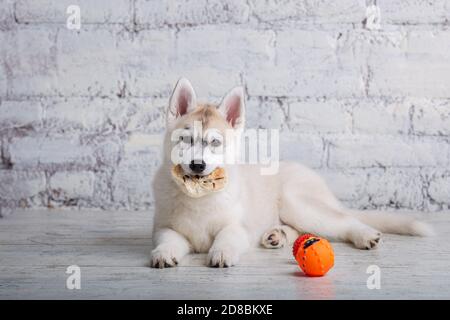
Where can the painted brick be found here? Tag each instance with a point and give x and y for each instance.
(31, 60)
(308, 63)
(132, 181)
(81, 114)
(41, 150)
(88, 62)
(144, 55)
(348, 185)
(368, 108)
(3, 83)
(145, 115)
(104, 115)
(105, 148)
(387, 151)
(377, 116)
(156, 13)
(320, 116)
(395, 188)
(413, 11)
(18, 185)
(69, 185)
(376, 187)
(20, 113)
(307, 149)
(3, 66)
(216, 56)
(412, 64)
(432, 117)
(322, 11)
(265, 113)
(6, 14)
(439, 189)
(55, 11)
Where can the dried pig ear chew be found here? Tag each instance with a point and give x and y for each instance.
(198, 186)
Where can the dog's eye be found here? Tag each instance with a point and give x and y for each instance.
(187, 139)
(215, 142)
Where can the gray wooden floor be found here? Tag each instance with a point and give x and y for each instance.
(112, 250)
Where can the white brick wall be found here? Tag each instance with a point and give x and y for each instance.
(82, 112)
(94, 12)
(156, 13)
(72, 185)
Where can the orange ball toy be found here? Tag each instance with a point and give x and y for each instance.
(314, 255)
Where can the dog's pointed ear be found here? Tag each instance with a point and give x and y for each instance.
(182, 101)
(233, 107)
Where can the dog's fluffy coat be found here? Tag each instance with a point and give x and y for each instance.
(254, 209)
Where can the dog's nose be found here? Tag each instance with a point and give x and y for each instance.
(197, 167)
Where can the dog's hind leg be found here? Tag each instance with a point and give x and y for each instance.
(279, 236)
(312, 216)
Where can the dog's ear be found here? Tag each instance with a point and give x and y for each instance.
(233, 107)
(182, 101)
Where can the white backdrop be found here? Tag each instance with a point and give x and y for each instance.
(360, 93)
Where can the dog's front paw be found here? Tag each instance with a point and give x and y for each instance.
(366, 238)
(163, 258)
(222, 258)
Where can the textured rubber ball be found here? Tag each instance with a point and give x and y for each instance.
(314, 255)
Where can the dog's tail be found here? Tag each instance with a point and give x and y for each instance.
(394, 223)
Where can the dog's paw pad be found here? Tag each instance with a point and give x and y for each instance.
(221, 258)
(368, 240)
(274, 239)
(373, 242)
(162, 259)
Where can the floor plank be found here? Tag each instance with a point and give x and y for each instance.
(112, 250)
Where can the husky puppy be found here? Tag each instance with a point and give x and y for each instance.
(253, 209)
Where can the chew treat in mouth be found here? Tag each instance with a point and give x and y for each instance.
(198, 186)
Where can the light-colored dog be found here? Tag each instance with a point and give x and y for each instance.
(253, 209)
